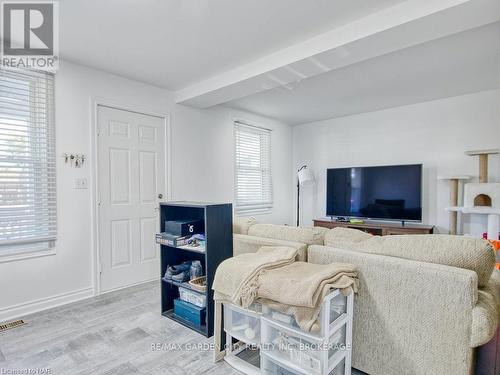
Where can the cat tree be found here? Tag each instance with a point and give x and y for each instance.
(481, 198)
(455, 181)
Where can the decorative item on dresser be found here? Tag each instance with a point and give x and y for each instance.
(378, 228)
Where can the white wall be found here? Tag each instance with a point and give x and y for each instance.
(35, 283)
(205, 138)
(433, 133)
(202, 169)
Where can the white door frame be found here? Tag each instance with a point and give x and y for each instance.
(95, 102)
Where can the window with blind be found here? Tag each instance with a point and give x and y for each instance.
(27, 162)
(253, 175)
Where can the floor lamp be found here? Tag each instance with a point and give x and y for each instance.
(304, 177)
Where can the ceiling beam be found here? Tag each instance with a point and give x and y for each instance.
(421, 21)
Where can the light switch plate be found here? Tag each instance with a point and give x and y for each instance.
(81, 183)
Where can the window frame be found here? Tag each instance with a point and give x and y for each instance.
(261, 207)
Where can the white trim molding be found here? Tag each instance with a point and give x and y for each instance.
(26, 308)
(155, 279)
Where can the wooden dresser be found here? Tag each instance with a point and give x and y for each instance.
(377, 228)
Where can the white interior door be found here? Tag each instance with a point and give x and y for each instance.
(131, 178)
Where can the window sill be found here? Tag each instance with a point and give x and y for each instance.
(27, 255)
(253, 213)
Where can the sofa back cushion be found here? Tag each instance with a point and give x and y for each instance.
(469, 253)
(242, 224)
(305, 235)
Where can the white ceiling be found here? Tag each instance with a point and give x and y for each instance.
(458, 64)
(295, 60)
(407, 24)
(176, 43)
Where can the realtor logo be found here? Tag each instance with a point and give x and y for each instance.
(30, 34)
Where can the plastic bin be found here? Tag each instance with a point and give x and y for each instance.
(269, 367)
(242, 324)
(337, 342)
(339, 369)
(299, 350)
(188, 295)
(337, 306)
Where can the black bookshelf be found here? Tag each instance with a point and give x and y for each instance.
(218, 222)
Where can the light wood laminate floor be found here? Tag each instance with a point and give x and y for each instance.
(116, 333)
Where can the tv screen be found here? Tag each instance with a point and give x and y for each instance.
(389, 192)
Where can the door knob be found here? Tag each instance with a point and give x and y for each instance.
(160, 196)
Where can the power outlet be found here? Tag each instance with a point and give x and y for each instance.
(81, 183)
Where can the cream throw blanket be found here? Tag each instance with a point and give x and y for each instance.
(272, 277)
(298, 289)
(236, 278)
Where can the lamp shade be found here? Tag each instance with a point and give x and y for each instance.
(305, 176)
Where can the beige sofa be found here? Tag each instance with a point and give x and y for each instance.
(249, 236)
(424, 303)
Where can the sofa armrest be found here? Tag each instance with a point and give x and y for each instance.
(241, 225)
(486, 314)
(418, 313)
(250, 244)
(484, 320)
(493, 286)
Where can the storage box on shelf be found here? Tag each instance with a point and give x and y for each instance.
(188, 295)
(189, 313)
(285, 348)
(214, 221)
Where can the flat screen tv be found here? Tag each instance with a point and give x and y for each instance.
(386, 193)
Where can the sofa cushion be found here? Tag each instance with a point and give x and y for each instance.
(306, 235)
(469, 253)
(242, 224)
(344, 237)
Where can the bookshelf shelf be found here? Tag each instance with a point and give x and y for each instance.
(184, 285)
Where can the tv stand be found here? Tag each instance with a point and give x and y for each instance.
(377, 227)
(340, 219)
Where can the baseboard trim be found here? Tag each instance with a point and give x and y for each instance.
(26, 308)
(130, 285)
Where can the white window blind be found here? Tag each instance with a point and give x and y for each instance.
(253, 175)
(27, 161)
